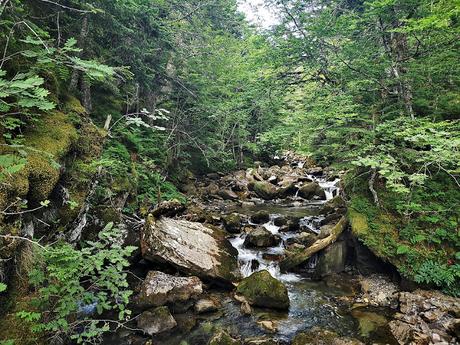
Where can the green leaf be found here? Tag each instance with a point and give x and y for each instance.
(402, 250)
(3, 287)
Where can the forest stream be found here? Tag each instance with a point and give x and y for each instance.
(230, 172)
(340, 292)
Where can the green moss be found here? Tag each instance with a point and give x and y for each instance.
(16, 329)
(417, 234)
(262, 290)
(358, 221)
(73, 105)
(48, 142)
(80, 172)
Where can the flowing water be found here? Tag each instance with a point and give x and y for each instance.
(312, 303)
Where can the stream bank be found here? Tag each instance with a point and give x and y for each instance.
(247, 225)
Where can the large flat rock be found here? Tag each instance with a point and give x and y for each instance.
(190, 247)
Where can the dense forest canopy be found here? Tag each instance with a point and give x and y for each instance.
(129, 99)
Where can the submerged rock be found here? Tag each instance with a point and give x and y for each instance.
(223, 338)
(368, 321)
(207, 305)
(190, 247)
(268, 325)
(311, 190)
(262, 290)
(160, 288)
(156, 321)
(265, 190)
(318, 336)
(261, 237)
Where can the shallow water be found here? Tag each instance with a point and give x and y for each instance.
(313, 304)
(324, 304)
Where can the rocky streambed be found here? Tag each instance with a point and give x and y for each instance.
(265, 256)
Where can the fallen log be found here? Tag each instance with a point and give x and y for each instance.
(295, 259)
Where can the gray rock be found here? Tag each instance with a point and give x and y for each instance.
(228, 194)
(168, 208)
(332, 259)
(261, 237)
(427, 316)
(221, 337)
(379, 291)
(265, 190)
(156, 321)
(312, 190)
(232, 223)
(160, 288)
(190, 247)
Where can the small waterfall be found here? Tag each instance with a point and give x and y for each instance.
(312, 262)
(311, 223)
(330, 188)
(252, 259)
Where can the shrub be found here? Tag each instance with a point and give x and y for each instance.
(74, 286)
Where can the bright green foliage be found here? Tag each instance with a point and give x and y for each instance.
(420, 236)
(10, 164)
(372, 87)
(3, 287)
(72, 285)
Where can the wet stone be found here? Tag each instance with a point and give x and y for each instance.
(261, 238)
(260, 217)
(156, 321)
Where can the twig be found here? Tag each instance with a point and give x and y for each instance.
(66, 7)
(371, 186)
(23, 239)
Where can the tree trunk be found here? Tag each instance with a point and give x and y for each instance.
(81, 44)
(296, 259)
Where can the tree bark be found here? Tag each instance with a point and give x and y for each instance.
(81, 43)
(296, 259)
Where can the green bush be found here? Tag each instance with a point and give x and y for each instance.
(74, 286)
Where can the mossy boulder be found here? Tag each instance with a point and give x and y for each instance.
(46, 143)
(265, 190)
(232, 223)
(262, 290)
(336, 204)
